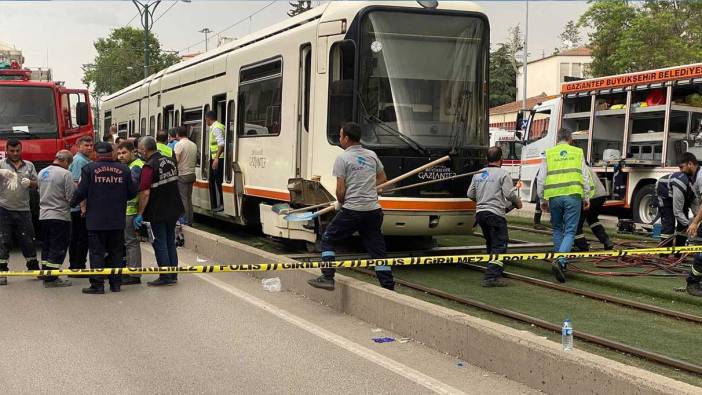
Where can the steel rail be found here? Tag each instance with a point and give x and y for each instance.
(648, 355)
(597, 296)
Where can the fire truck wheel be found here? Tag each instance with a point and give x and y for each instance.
(641, 208)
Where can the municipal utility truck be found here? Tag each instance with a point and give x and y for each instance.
(633, 128)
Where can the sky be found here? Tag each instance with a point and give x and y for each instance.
(60, 34)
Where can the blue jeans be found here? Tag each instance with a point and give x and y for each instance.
(164, 247)
(565, 214)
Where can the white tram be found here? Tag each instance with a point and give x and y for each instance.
(413, 76)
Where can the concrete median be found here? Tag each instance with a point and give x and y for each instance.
(519, 355)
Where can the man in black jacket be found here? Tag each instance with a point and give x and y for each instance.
(160, 204)
(106, 186)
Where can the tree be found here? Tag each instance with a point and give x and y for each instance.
(120, 63)
(298, 7)
(632, 36)
(503, 77)
(570, 37)
(503, 68)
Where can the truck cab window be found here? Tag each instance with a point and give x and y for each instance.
(538, 126)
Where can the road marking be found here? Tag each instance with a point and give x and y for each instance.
(363, 352)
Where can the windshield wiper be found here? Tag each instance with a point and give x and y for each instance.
(20, 131)
(406, 139)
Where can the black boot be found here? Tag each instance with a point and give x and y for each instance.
(694, 285)
(581, 244)
(94, 289)
(32, 264)
(599, 232)
(493, 276)
(386, 279)
(3, 268)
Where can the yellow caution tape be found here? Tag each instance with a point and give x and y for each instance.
(427, 260)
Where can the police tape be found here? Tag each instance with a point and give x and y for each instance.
(355, 263)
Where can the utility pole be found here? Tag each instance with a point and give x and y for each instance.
(146, 10)
(206, 31)
(525, 58)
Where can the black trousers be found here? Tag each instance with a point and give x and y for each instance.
(670, 226)
(368, 225)
(216, 180)
(106, 248)
(19, 224)
(78, 249)
(55, 237)
(494, 229)
(592, 216)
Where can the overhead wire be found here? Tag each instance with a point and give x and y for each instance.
(238, 22)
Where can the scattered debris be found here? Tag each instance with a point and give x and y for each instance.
(383, 339)
(405, 339)
(461, 364)
(200, 260)
(376, 330)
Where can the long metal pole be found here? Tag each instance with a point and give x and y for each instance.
(525, 57)
(146, 40)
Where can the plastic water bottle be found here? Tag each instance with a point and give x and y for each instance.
(657, 228)
(271, 284)
(567, 335)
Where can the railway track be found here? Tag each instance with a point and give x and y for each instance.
(611, 344)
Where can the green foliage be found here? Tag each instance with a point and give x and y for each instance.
(570, 37)
(503, 69)
(628, 37)
(298, 7)
(120, 60)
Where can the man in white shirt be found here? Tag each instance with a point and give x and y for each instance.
(186, 158)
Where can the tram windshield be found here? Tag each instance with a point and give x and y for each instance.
(421, 80)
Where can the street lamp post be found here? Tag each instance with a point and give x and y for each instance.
(146, 10)
(206, 31)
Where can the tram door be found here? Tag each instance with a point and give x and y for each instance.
(303, 110)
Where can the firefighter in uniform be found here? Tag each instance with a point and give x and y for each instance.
(674, 198)
(598, 197)
(106, 186)
(216, 139)
(694, 279)
(494, 194)
(563, 186)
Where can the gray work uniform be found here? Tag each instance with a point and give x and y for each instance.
(359, 168)
(493, 191)
(56, 188)
(17, 200)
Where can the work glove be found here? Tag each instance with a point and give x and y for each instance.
(8, 179)
(138, 220)
(337, 206)
(26, 182)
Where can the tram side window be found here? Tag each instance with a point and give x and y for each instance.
(152, 124)
(107, 123)
(342, 66)
(142, 127)
(260, 96)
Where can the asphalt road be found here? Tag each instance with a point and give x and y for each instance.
(216, 333)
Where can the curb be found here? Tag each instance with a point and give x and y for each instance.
(519, 355)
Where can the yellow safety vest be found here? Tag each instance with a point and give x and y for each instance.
(564, 171)
(133, 205)
(164, 150)
(213, 141)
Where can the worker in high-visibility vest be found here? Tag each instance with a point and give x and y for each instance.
(126, 153)
(598, 197)
(216, 139)
(563, 185)
(162, 144)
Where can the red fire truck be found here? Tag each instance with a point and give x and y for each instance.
(44, 115)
